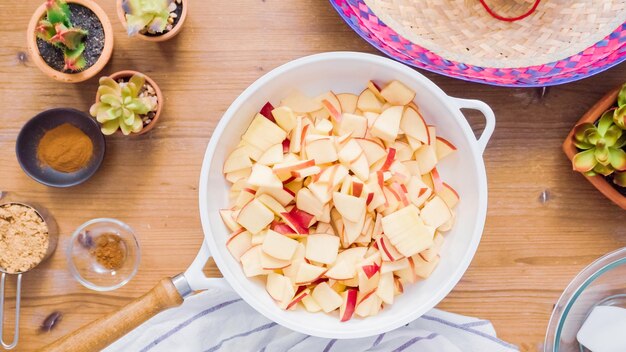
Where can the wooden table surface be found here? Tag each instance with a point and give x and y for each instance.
(544, 224)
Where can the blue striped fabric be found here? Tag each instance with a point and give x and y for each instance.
(218, 320)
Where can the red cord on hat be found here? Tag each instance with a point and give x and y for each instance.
(509, 19)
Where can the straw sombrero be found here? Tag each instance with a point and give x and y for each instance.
(461, 38)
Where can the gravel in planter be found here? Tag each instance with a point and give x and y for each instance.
(94, 41)
(173, 20)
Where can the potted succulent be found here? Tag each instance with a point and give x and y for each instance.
(152, 20)
(70, 41)
(596, 146)
(127, 102)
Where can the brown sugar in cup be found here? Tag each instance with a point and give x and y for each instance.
(126, 75)
(71, 77)
(178, 25)
(27, 237)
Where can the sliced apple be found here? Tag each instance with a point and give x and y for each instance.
(279, 246)
(387, 250)
(387, 125)
(283, 195)
(285, 118)
(397, 265)
(326, 297)
(368, 102)
(279, 287)
(308, 273)
(330, 102)
(406, 231)
(263, 133)
(309, 171)
(443, 148)
(301, 103)
(238, 243)
(229, 221)
(385, 289)
(424, 269)
(426, 156)
(322, 151)
(397, 93)
(266, 111)
(310, 304)
(271, 203)
(413, 125)
(239, 159)
(433, 251)
(348, 305)
(348, 102)
(449, 195)
(273, 155)
(355, 125)
(305, 200)
(436, 212)
(270, 263)
(298, 220)
(251, 262)
(341, 270)
(255, 216)
(350, 207)
(262, 176)
(322, 248)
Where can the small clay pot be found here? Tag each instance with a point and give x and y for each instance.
(156, 38)
(127, 74)
(570, 149)
(71, 77)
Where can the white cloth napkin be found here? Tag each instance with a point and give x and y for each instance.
(219, 320)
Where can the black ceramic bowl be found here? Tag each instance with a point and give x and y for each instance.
(33, 130)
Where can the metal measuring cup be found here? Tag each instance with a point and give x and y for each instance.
(52, 243)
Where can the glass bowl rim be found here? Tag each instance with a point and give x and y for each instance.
(74, 270)
(574, 289)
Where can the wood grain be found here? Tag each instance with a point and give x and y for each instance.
(105, 330)
(530, 250)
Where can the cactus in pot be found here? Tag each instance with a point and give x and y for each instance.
(57, 29)
(619, 114)
(122, 105)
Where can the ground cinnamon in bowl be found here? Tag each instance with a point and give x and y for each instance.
(109, 250)
(65, 148)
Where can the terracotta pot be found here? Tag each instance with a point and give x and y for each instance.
(159, 94)
(570, 149)
(157, 38)
(77, 76)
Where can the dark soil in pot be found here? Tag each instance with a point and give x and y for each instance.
(94, 41)
(620, 189)
(178, 11)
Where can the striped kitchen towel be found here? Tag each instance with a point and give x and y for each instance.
(218, 320)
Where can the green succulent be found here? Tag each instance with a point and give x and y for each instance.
(120, 105)
(150, 15)
(619, 114)
(601, 148)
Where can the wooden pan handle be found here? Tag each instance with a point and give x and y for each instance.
(100, 333)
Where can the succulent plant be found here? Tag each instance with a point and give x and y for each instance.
(121, 105)
(150, 15)
(57, 29)
(601, 149)
(619, 115)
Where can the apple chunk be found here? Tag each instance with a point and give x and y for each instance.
(262, 176)
(285, 118)
(436, 212)
(348, 305)
(350, 207)
(414, 126)
(279, 246)
(348, 102)
(396, 93)
(407, 232)
(255, 216)
(387, 125)
(239, 243)
(322, 248)
(443, 148)
(326, 297)
(301, 103)
(263, 133)
(322, 151)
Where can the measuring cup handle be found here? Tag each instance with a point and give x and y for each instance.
(18, 298)
(100, 333)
